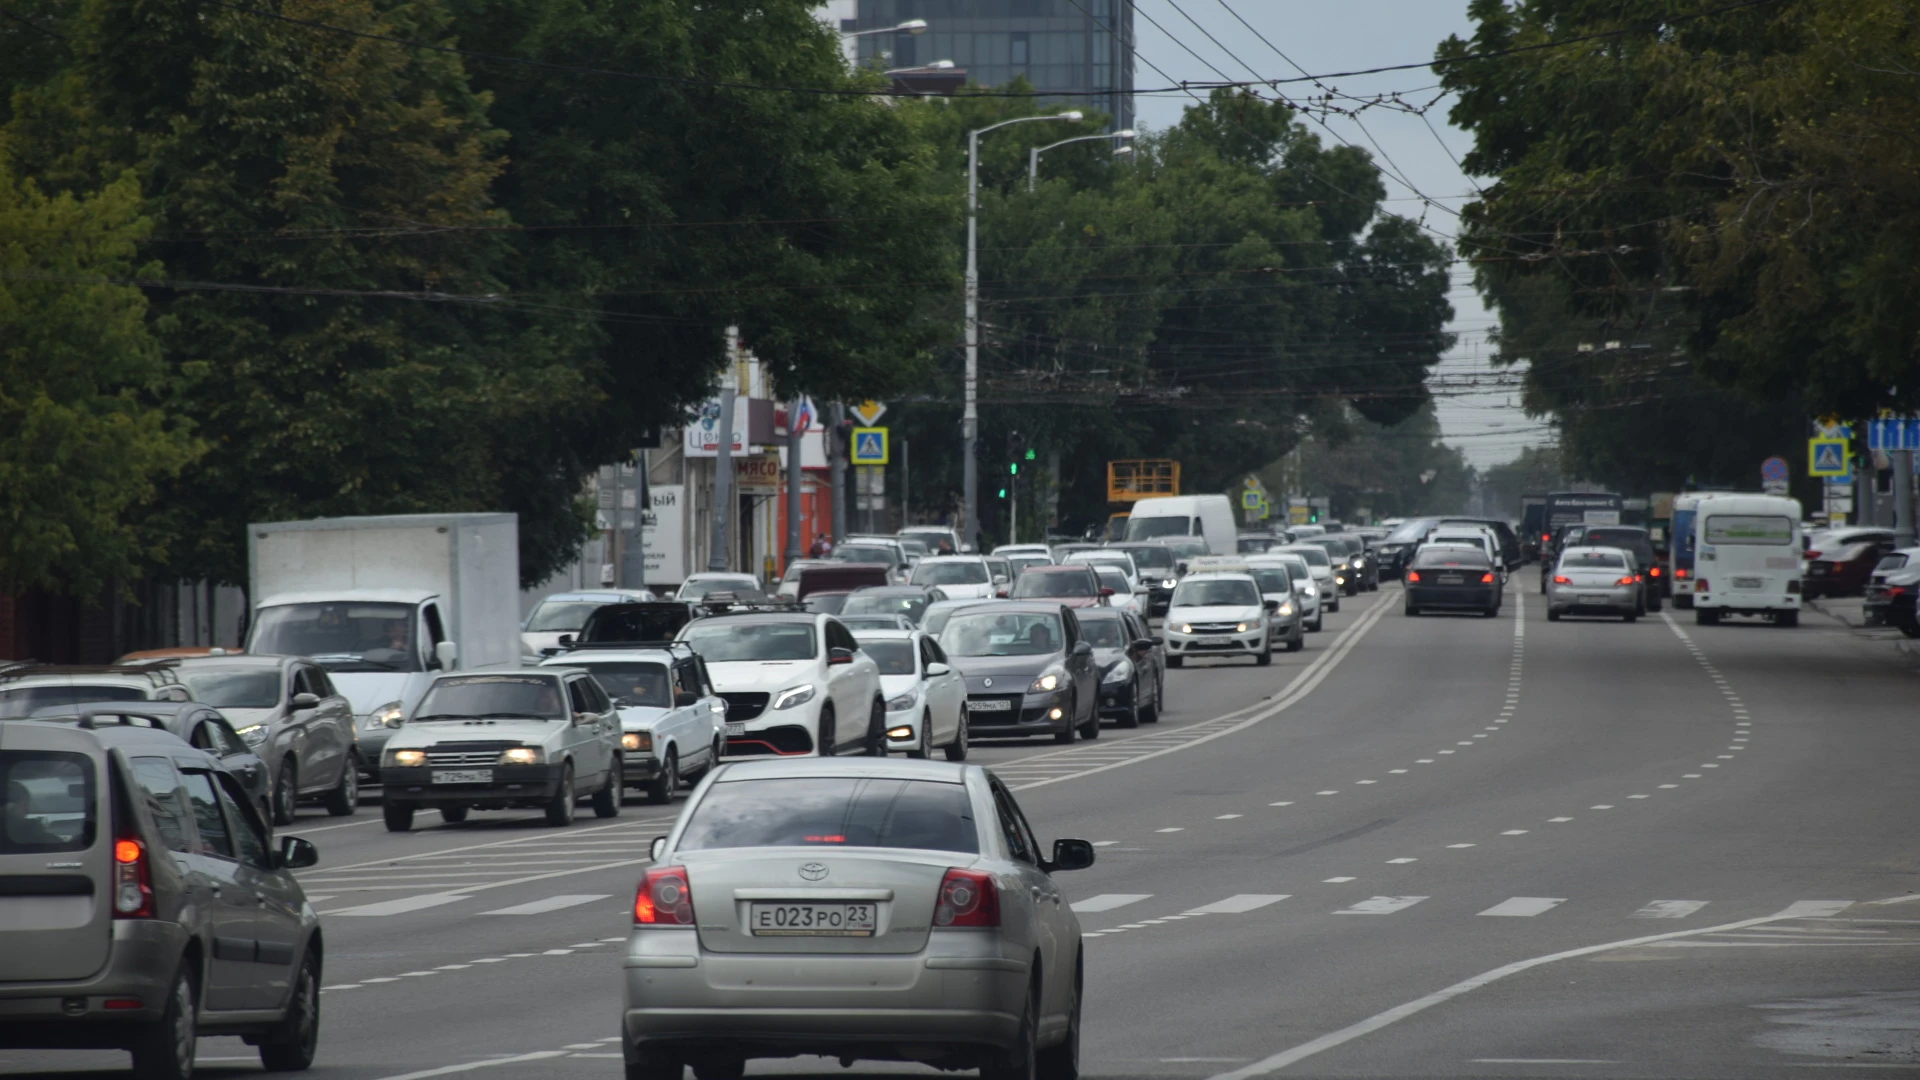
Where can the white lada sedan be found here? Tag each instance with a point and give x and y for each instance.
(860, 909)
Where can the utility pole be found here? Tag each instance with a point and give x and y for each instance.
(718, 546)
(796, 478)
(906, 473)
(633, 551)
(837, 468)
(1903, 531)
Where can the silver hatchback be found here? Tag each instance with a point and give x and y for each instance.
(1594, 581)
(860, 909)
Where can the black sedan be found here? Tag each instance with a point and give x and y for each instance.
(1029, 668)
(1133, 667)
(1453, 579)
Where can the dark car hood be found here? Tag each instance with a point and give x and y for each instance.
(1106, 658)
(1009, 673)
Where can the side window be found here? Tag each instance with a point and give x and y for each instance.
(215, 838)
(166, 801)
(204, 738)
(686, 679)
(435, 634)
(926, 653)
(321, 684)
(577, 697)
(303, 681)
(230, 739)
(706, 682)
(250, 841)
(1010, 827)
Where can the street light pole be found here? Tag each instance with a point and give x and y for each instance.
(1034, 152)
(915, 27)
(970, 416)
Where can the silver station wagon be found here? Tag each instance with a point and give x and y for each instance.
(860, 909)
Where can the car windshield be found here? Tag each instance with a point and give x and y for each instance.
(1146, 528)
(1315, 556)
(639, 622)
(1055, 583)
(725, 640)
(951, 573)
(694, 590)
(1217, 592)
(1272, 579)
(832, 811)
(1002, 633)
(50, 802)
(1409, 532)
(461, 697)
(894, 657)
(872, 622)
(1185, 549)
(564, 616)
(1150, 556)
(825, 603)
(1112, 577)
(1023, 563)
(632, 683)
(866, 554)
(1104, 633)
(22, 701)
(246, 688)
(342, 637)
(869, 604)
(1588, 559)
(913, 545)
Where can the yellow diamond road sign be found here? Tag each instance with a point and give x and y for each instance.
(1826, 457)
(868, 412)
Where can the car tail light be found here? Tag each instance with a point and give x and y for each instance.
(1811, 555)
(1413, 575)
(664, 898)
(1680, 572)
(1700, 585)
(1546, 538)
(1628, 580)
(1562, 579)
(1486, 578)
(1654, 572)
(1892, 591)
(1794, 587)
(132, 888)
(967, 898)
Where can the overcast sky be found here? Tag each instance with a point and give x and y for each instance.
(1419, 163)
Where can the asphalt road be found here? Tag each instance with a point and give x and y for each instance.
(1424, 847)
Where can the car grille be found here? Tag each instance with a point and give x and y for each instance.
(1217, 628)
(456, 755)
(784, 740)
(745, 706)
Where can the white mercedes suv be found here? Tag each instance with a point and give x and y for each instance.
(796, 684)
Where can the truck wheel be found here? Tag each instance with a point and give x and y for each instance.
(606, 801)
(344, 799)
(163, 1049)
(289, 1045)
(560, 807)
(399, 815)
(1706, 616)
(453, 815)
(1787, 618)
(659, 791)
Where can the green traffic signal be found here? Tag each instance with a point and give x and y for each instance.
(1029, 455)
(1013, 469)
(1003, 493)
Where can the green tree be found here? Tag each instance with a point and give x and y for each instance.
(1535, 470)
(1395, 470)
(81, 446)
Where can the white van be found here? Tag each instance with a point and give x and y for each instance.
(1746, 552)
(1209, 517)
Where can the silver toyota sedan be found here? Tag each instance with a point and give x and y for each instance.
(855, 908)
(1594, 581)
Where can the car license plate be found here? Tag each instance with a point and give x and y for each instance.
(990, 706)
(1816, 569)
(811, 920)
(1216, 641)
(737, 727)
(1747, 583)
(1449, 579)
(1593, 599)
(463, 776)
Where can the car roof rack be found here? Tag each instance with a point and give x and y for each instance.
(668, 645)
(160, 672)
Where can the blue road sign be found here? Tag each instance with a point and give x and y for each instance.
(1827, 457)
(1773, 469)
(1896, 433)
(869, 446)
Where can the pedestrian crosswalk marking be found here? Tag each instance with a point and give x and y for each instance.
(1109, 901)
(1805, 909)
(1520, 907)
(1669, 909)
(1381, 905)
(551, 903)
(402, 905)
(1237, 905)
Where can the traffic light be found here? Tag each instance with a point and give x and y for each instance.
(1313, 517)
(1029, 455)
(1013, 469)
(1003, 493)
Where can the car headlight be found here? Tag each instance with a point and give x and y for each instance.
(636, 740)
(1358, 563)
(1310, 590)
(522, 755)
(255, 734)
(1241, 628)
(388, 715)
(901, 703)
(1050, 681)
(1339, 581)
(405, 759)
(1186, 628)
(798, 695)
(1286, 608)
(1120, 672)
(1169, 583)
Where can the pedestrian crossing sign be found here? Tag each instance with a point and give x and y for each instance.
(870, 446)
(1826, 457)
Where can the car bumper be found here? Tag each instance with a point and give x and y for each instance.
(907, 718)
(1032, 714)
(371, 743)
(1595, 601)
(689, 999)
(638, 767)
(1475, 597)
(1245, 643)
(73, 1015)
(510, 784)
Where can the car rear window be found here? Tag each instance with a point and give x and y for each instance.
(49, 802)
(24, 700)
(1580, 559)
(1078, 581)
(833, 811)
(1451, 557)
(1748, 529)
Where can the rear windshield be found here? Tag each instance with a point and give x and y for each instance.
(1055, 583)
(893, 657)
(833, 811)
(1450, 557)
(1631, 539)
(1583, 559)
(23, 700)
(632, 683)
(235, 688)
(49, 802)
(1748, 529)
(950, 573)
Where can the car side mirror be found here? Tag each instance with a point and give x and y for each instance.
(937, 669)
(1071, 855)
(1082, 648)
(1271, 605)
(566, 640)
(839, 655)
(446, 652)
(1144, 644)
(1157, 640)
(657, 848)
(297, 853)
(685, 698)
(305, 701)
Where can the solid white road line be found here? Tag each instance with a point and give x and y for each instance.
(1669, 909)
(1521, 907)
(401, 906)
(1802, 909)
(1236, 905)
(1293, 1055)
(1381, 905)
(551, 903)
(448, 1070)
(1109, 901)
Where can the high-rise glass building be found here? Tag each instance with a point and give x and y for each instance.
(1080, 49)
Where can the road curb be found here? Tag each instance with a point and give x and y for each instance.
(1909, 649)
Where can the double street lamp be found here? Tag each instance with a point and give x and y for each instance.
(1034, 152)
(970, 419)
(911, 26)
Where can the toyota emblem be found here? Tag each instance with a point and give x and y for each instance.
(814, 871)
(986, 682)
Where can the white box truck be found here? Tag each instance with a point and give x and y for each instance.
(382, 603)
